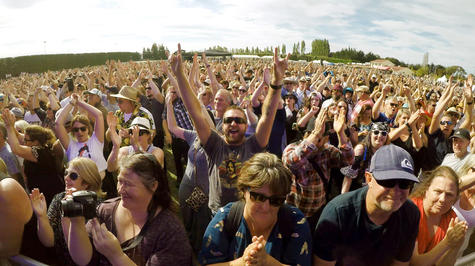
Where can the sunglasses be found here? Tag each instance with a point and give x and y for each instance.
(391, 183)
(395, 105)
(383, 133)
(71, 175)
(76, 129)
(141, 132)
(238, 120)
(448, 123)
(276, 201)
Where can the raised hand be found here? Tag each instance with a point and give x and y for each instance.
(280, 65)
(414, 117)
(456, 231)
(112, 120)
(104, 241)
(267, 76)
(8, 118)
(467, 90)
(38, 203)
(319, 128)
(176, 62)
(339, 123)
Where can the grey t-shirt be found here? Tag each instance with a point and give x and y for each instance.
(225, 162)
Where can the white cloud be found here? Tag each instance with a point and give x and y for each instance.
(400, 29)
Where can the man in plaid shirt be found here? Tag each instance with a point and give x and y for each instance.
(311, 160)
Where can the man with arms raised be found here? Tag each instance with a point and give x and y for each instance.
(227, 153)
(373, 225)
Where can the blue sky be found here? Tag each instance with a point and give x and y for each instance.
(401, 29)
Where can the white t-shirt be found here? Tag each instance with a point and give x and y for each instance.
(454, 162)
(92, 149)
(32, 119)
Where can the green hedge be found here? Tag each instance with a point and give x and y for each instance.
(43, 63)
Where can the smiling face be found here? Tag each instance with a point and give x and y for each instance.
(385, 199)
(73, 180)
(447, 125)
(392, 106)
(233, 131)
(378, 140)
(134, 195)
(440, 196)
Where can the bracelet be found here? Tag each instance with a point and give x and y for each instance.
(275, 87)
(469, 103)
(408, 127)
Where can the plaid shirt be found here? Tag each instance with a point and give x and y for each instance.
(181, 115)
(307, 190)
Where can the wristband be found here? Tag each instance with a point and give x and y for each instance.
(469, 103)
(275, 87)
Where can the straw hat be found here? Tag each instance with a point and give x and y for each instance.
(127, 93)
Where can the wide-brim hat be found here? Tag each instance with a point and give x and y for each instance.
(127, 93)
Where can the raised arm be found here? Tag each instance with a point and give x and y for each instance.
(190, 100)
(440, 108)
(271, 102)
(171, 119)
(98, 117)
(155, 91)
(214, 84)
(59, 128)
(468, 108)
(44, 230)
(18, 149)
(112, 160)
(258, 91)
(377, 105)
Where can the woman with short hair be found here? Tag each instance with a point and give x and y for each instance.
(260, 229)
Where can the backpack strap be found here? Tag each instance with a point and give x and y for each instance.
(231, 223)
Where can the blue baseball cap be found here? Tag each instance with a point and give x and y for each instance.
(392, 162)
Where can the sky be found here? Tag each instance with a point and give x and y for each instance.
(401, 29)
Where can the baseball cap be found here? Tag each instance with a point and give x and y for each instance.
(17, 112)
(94, 91)
(461, 133)
(392, 162)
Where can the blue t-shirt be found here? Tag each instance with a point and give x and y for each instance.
(295, 249)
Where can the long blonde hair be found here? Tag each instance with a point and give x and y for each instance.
(89, 173)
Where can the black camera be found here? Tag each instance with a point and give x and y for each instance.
(70, 84)
(82, 203)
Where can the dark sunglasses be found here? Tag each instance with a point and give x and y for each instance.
(76, 129)
(141, 132)
(395, 105)
(402, 183)
(383, 133)
(238, 120)
(71, 175)
(276, 201)
(449, 123)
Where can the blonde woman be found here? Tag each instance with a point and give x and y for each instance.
(81, 174)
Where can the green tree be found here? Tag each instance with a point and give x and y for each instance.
(154, 52)
(320, 47)
(283, 49)
(302, 47)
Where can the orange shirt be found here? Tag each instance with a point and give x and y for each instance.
(424, 241)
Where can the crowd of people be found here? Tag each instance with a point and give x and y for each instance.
(277, 163)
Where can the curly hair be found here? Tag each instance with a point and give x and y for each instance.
(44, 136)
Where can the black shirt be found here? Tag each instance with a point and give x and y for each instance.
(346, 234)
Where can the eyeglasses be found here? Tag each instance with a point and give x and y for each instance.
(242, 91)
(238, 120)
(391, 183)
(383, 133)
(76, 129)
(276, 201)
(141, 132)
(448, 123)
(71, 175)
(395, 105)
(148, 88)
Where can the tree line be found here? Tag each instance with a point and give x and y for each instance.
(42, 63)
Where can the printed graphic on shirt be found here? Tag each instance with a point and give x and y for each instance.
(229, 170)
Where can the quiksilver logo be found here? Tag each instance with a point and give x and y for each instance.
(407, 164)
